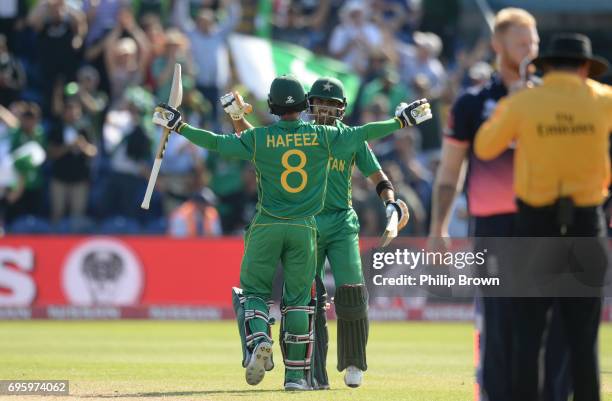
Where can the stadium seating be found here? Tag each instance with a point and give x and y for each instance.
(29, 225)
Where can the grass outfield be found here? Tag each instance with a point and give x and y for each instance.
(190, 360)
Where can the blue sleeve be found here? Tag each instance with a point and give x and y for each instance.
(461, 122)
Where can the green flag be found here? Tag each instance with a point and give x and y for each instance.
(258, 61)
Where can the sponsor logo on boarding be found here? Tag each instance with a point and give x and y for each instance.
(102, 271)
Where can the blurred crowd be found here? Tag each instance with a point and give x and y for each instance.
(79, 80)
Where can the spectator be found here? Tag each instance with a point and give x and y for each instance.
(355, 39)
(176, 51)
(301, 22)
(61, 30)
(480, 73)
(424, 73)
(388, 13)
(226, 182)
(152, 27)
(208, 47)
(415, 174)
(159, 8)
(183, 170)
(405, 189)
(442, 18)
(388, 85)
(12, 75)
(197, 217)
(128, 142)
(102, 16)
(93, 101)
(71, 150)
(195, 108)
(12, 17)
(368, 207)
(27, 143)
(420, 66)
(245, 205)
(376, 109)
(8, 123)
(126, 58)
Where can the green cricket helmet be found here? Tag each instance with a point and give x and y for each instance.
(287, 95)
(329, 88)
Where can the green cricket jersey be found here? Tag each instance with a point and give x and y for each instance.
(291, 159)
(341, 162)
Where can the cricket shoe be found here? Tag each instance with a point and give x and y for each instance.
(353, 376)
(269, 364)
(297, 385)
(256, 368)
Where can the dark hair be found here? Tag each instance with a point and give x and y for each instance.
(564, 63)
(282, 110)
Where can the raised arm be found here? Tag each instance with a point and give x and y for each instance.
(234, 12)
(233, 104)
(144, 46)
(36, 17)
(405, 115)
(242, 147)
(110, 43)
(79, 21)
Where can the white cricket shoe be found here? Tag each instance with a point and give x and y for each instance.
(255, 369)
(269, 364)
(353, 376)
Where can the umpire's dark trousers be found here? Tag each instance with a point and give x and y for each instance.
(580, 316)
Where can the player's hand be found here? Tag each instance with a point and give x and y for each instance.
(413, 113)
(234, 105)
(167, 117)
(397, 218)
(401, 208)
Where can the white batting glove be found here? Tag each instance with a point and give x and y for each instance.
(234, 105)
(413, 113)
(168, 117)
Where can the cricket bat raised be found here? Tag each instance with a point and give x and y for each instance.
(176, 97)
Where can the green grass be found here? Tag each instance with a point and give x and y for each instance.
(150, 360)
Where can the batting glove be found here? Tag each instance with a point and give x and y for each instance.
(168, 117)
(234, 105)
(413, 113)
(401, 208)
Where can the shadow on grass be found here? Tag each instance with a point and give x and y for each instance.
(188, 393)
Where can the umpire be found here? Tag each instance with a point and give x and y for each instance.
(561, 177)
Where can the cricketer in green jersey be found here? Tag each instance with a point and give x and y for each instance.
(338, 239)
(291, 162)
